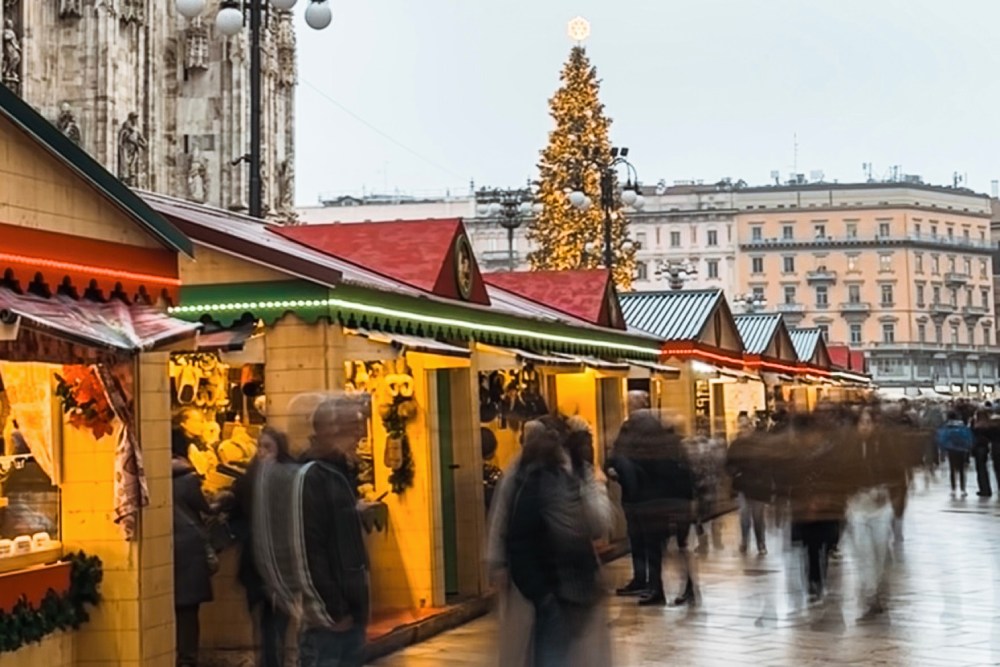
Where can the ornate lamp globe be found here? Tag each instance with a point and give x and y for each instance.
(190, 8)
(629, 196)
(283, 4)
(229, 21)
(318, 14)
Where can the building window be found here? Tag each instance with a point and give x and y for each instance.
(713, 268)
(758, 293)
(788, 264)
(820, 231)
(954, 297)
(954, 334)
(852, 263)
(935, 295)
(935, 265)
(855, 334)
(972, 334)
(888, 333)
(675, 239)
(967, 266)
(987, 335)
(920, 296)
(934, 231)
(822, 297)
(694, 235)
(787, 232)
(983, 271)
(854, 293)
(968, 297)
(938, 334)
(965, 235)
(852, 230)
(951, 265)
(883, 229)
(713, 237)
(757, 265)
(641, 271)
(887, 295)
(984, 296)
(640, 239)
(790, 294)
(824, 331)
(756, 234)
(918, 262)
(916, 230)
(951, 232)
(885, 263)
(922, 333)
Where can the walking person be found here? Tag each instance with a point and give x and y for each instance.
(623, 469)
(752, 480)
(954, 438)
(550, 553)
(195, 561)
(982, 437)
(272, 620)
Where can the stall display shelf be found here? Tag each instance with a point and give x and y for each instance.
(50, 554)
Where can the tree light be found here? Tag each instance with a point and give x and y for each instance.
(578, 29)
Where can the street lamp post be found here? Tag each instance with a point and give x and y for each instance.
(232, 16)
(511, 207)
(676, 272)
(750, 302)
(607, 171)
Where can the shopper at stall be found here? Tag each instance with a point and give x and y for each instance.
(194, 558)
(272, 447)
(622, 467)
(748, 465)
(332, 560)
(983, 434)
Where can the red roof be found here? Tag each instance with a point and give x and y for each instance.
(844, 357)
(588, 295)
(419, 253)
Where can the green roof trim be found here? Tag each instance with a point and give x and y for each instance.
(357, 306)
(28, 120)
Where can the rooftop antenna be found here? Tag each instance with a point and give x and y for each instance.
(956, 179)
(868, 167)
(776, 175)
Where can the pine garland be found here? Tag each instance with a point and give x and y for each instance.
(25, 624)
(561, 233)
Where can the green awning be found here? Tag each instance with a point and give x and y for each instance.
(270, 301)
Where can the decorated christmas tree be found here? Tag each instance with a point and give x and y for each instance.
(565, 237)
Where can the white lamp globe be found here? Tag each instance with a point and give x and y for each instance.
(587, 203)
(283, 4)
(483, 209)
(576, 198)
(589, 246)
(524, 208)
(318, 14)
(190, 8)
(537, 208)
(229, 21)
(639, 202)
(494, 208)
(627, 245)
(629, 197)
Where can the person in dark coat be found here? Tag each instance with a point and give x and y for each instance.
(983, 434)
(272, 446)
(192, 567)
(749, 468)
(620, 467)
(955, 438)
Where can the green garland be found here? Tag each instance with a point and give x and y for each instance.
(25, 625)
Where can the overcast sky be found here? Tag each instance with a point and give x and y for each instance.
(424, 95)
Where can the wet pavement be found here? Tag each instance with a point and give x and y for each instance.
(943, 603)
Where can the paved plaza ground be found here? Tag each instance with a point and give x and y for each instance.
(944, 604)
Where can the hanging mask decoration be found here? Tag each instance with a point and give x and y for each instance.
(398, 406)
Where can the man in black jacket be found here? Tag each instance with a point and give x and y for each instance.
(334, 566)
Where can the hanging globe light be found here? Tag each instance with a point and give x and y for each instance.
(190, 8)
(318, 14)
(229, 20)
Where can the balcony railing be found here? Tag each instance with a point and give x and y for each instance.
(974, 311)
(856, 307)
(821, 276)
(942, 309)
(871, 239)
(954, 278)
(791, 308)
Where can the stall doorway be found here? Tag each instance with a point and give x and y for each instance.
(446, 442)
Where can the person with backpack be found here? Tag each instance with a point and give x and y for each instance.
(954, 438)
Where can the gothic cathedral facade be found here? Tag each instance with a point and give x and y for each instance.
(160, 100)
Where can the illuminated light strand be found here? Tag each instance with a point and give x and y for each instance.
(84, 268)
(244, 306)
(695, 352)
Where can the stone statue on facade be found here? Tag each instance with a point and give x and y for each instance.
(67, 124)
(132, 11)
(130, 144)
(10, 73)
(286, 51)
(197, 179)
(196, 47)
(70, 9)
(286, 187)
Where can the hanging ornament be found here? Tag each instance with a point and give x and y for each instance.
(398, 408)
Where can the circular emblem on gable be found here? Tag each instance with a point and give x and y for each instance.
(463, 267)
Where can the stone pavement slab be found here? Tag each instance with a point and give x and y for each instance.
(943, 604)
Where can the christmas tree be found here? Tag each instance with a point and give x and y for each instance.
(562, 234)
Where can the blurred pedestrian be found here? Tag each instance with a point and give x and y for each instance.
(982, 436)
(954, 438)
(748, 467)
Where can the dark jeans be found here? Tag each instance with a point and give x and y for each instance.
(273, 630)
(818, 537)
(637, 545)
(656, 543)
(320, 647)
(957, 462)
(557, 626)
(186, 627)
(981, 456)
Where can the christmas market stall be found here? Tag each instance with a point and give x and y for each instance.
(85, 502)
(768, 349)
(816, 382)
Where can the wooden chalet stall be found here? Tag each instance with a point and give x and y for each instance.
(84, 409)
(814, 384)
(770, 352)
